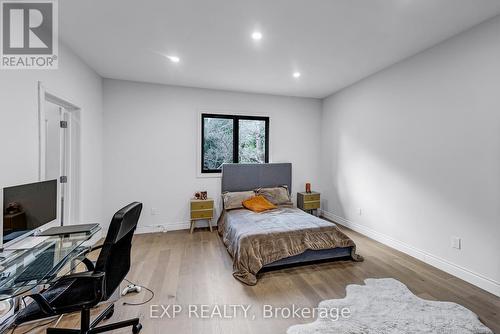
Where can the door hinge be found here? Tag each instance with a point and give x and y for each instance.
(63, 179)
(64, 124)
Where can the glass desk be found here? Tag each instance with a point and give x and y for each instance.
(21, 270)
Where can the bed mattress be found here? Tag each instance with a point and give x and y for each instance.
(257, 240)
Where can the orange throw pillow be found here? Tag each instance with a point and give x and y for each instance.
(258, 204)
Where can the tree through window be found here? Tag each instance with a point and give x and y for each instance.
(232, 138)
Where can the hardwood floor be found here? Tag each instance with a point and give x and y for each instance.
(185, 268)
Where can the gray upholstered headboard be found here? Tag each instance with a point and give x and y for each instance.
(241, 177)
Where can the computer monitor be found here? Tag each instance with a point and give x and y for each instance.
(26, 208)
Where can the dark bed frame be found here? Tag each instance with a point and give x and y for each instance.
(242, 177)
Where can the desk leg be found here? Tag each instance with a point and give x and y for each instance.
(210, 224)
(192, 226)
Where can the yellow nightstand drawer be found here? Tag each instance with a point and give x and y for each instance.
(311, 197)
(202, 205)
(311, 205)
(202, 214)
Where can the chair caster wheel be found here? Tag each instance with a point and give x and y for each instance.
(136, 329)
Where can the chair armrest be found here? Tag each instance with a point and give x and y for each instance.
(84, 289)
(89, 286)
(94, 248)
(42, 303)
(83, 257)
(88, 263)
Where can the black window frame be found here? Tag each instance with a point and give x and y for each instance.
(236, 137)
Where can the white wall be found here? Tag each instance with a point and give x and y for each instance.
(417, 148)
(79, 84)
(151, 140)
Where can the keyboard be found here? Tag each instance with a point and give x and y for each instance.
(39, 268)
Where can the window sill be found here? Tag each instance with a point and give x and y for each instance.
(209, 175)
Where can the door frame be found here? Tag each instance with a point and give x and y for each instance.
(72, 159)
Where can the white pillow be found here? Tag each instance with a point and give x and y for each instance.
(233, 200)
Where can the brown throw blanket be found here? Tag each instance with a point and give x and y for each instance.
(257, 239)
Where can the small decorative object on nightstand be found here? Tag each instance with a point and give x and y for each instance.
(202, 209)
(309, 201)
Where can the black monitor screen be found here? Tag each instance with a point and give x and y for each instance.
(27, 207)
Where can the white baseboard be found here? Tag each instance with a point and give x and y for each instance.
(166, 227)
(467, 275)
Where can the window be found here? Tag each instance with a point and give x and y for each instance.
(233, 139)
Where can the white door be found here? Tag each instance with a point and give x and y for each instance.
(57, 153)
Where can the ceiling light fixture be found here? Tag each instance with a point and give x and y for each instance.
(256, 35)
(296, 74)
(174, 59)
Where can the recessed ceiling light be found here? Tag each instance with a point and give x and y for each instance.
(174, 59)
(257, 35)
(296, 74)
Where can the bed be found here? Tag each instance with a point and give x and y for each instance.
(283, 236)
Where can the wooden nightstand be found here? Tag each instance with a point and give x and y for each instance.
(202, 209)
(309, 201)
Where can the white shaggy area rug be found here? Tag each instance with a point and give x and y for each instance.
(387, 306)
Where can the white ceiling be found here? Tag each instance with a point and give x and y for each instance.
(333, 43)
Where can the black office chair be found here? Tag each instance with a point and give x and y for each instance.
(83, 291)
